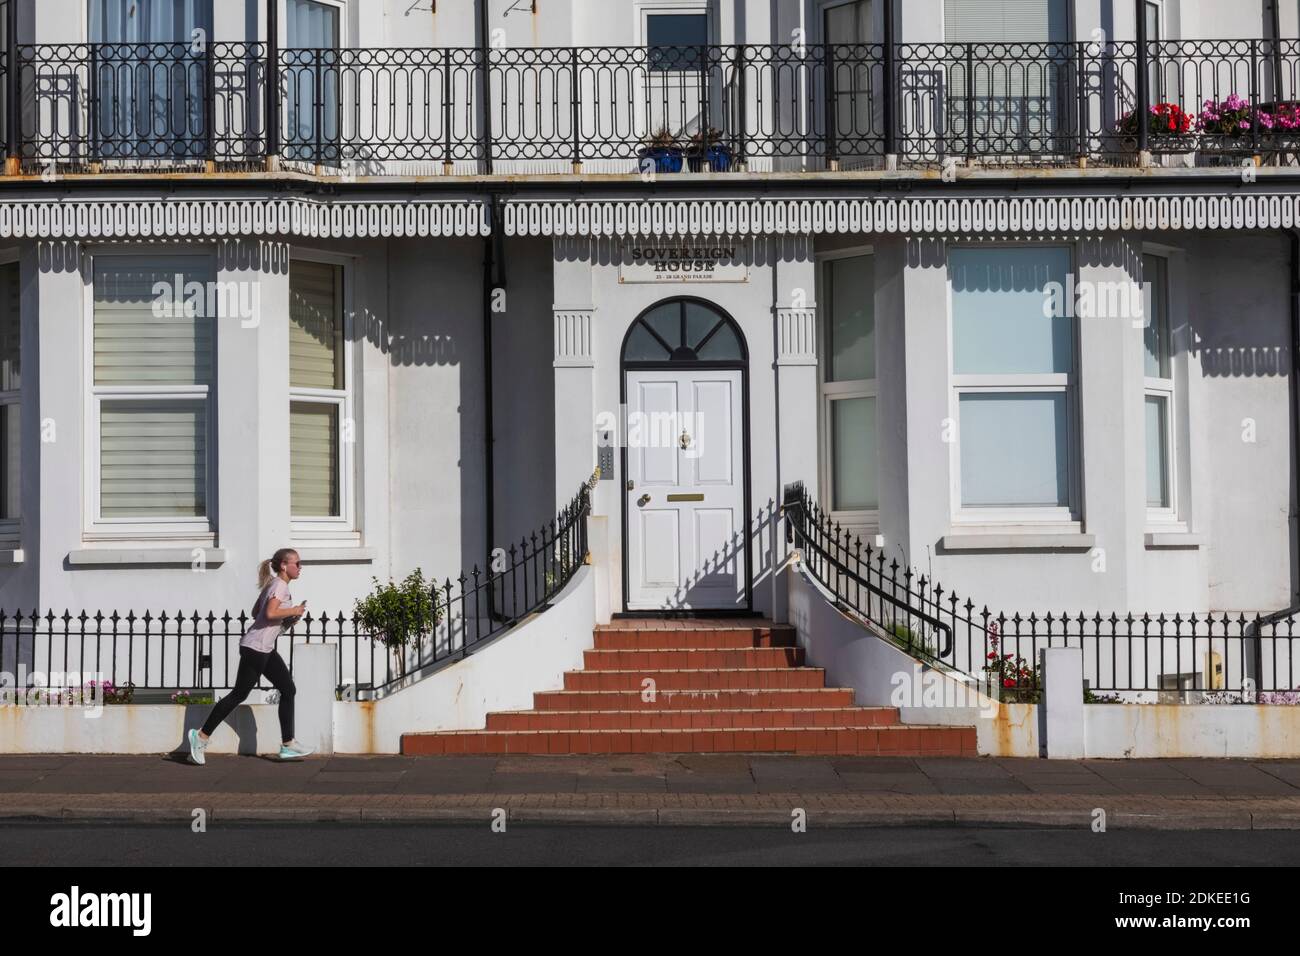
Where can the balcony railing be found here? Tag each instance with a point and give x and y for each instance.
(420, 111)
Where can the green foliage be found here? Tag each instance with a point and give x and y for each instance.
(916, 641)
(399, 614)
(1091, 697)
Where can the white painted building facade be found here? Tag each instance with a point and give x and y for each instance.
(876, 333)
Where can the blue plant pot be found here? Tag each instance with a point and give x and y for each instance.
(717, 158)
(667, 159)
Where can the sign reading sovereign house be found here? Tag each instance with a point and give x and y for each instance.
(683, 261)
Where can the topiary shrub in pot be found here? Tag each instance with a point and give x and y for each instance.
(398, 615)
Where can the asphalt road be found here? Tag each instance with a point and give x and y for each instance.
(545, 845)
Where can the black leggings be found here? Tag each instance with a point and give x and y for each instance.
(252, 665)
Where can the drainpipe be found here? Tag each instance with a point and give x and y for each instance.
(492, 272)
(1275, 17)
(485, 83)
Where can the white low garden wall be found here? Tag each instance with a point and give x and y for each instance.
(503, 675)
(532, 656)
(882, 675)
(162, 728)
(1192, 730)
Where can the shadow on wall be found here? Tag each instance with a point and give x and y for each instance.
(728, 562)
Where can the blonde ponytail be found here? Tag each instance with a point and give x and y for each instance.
(271, 567)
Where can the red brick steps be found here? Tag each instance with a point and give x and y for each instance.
(718, 687)
(714, 678)
(892, 741)
(693, 659)
(691, 719)
(704, 699)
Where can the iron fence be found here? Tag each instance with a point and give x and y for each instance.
(197, 651)
(1165, 656)
(720, 108)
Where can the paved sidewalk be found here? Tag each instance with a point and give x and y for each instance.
(706, 789)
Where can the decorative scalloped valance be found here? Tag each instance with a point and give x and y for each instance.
(913, 217)
(342, 218)
(214, 218)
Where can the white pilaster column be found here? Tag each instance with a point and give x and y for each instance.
(575, 400)
(796, 413)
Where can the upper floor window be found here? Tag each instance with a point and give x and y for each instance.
(1013, 373)
(674, 41)
(149, 80)
(311, 78)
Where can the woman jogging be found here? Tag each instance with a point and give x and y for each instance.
(273, 611)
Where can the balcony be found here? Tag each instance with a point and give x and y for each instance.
(242, 107)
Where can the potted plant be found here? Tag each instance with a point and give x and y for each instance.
(663, 151)
(399, 615)
(1169, 129)
(707, 147)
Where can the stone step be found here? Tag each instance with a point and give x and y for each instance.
(693, 658)
(703, 679)
(894, 741)
(691, 719)
(621, 638)
(688, 699)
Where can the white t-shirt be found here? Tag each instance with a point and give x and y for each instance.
(261, 636)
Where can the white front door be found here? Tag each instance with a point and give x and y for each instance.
(685, 502)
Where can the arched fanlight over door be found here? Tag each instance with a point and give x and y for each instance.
(683, 330)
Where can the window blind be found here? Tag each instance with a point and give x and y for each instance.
(1006, 21)
(143, 336)
(315, 326)
(153, 458)
(313, 460)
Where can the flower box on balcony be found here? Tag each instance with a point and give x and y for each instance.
(1169, 130)
(708, 153)
(662, 150)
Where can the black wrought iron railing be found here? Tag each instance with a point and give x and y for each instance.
(198, 651)
(1172, 656)
(618, 109)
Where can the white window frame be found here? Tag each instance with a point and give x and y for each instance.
(1169, 517)
(98, 527)
(830, 392)
(1068, 518)
(343, 528)
(11, 528)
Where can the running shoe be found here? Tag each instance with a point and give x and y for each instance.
(197, 746)
(294, 751)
